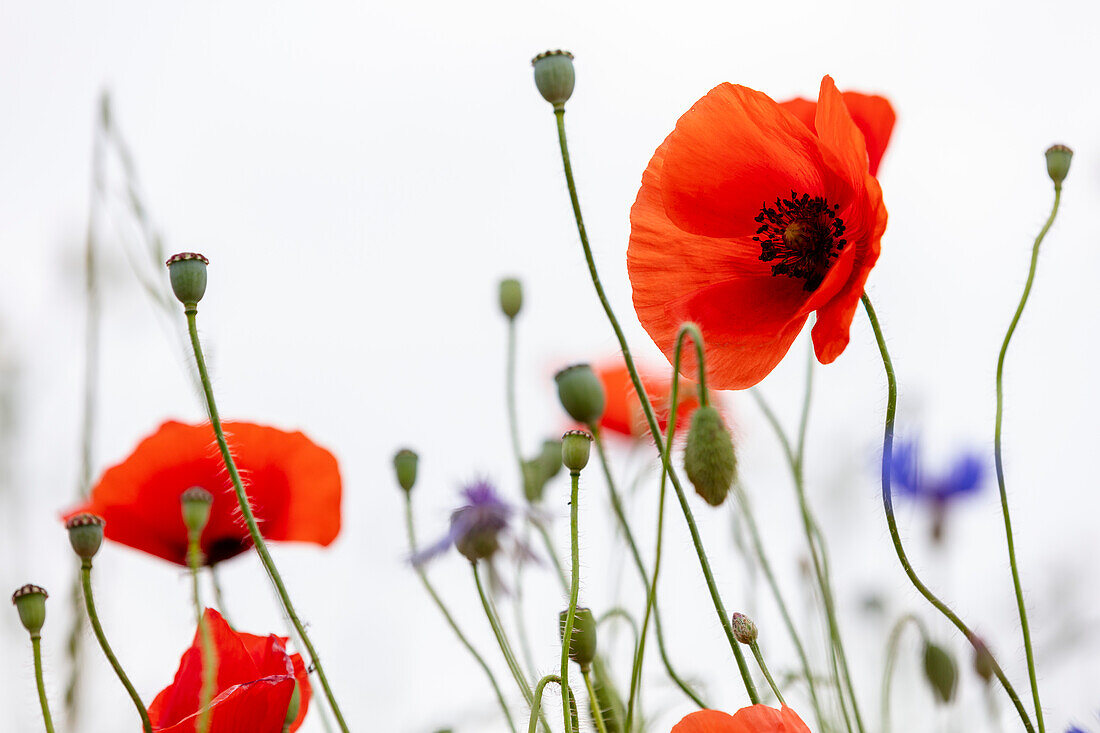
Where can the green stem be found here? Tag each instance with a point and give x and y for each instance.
(409, 526)
(651, 419)
(1000, 463)
(888, 508)
(767, 675)
(89, 604)
(517, 609)
(553, 553)
(36, 646)
(891, 658)
(219, 601)
(209, 656)
(250, 520)
(574, 591)
(593, 701)
(510, 389)
(620, 612)
(536, 703)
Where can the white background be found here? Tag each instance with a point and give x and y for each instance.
(362, 174)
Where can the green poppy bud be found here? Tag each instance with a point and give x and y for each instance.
(187, 271)
(85, 534)
(511, 297)
(709, 459)
(983, 660)
(744, 630)
(582, 642)
(550, 458)
(534, 479)
(939, 670)
(404, 465)
(1058, 160)
(294, 706)
(554, 76)
(576, 445)
(581, 393)
(30, 602)
(195, 506)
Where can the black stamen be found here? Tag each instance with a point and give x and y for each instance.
(802, 235)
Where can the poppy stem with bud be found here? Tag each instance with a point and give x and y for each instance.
(30, 603)
(892, 524)
(1058, 160)
(195, 508)
(189, 286)
(746, 632)
(575, 451)
(651, 418)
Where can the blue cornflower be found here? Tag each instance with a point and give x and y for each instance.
(476, 527)
(964, 477)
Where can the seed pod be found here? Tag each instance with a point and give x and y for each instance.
(85, 534)
(554, 76)
(195, 505)
(709, 459)
(187, 271)
(576, 446)
(30, 602)
(1058, 160)
(940, 671)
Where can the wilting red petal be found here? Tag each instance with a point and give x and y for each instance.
(293, 484)
(755, 719)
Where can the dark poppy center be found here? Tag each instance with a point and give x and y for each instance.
(802, 235)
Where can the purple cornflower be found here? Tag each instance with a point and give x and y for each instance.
(964, 477)
(476, 527)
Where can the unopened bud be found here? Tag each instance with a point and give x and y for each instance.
(404, 465)
(1058, 160)
(576, 446)
(939, 670)
(983, 659)
(30, 602)
(511, 297)
(744, 630)
(554, 76)
(85, 534)
(582, 642)
(709, 459)
(187, 271)
(294, 706)
(581, 393)
(550, 458)
(195, 506)
(534, 479)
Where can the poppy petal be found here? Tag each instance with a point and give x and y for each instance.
(875, 117)
(839, 133)
(705, 721)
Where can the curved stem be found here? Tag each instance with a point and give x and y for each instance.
(574, 592)
(410, 530)
(1010, 542)
(536, 702)
(250, 520)
(888, 508)
(620, 612)
(36, 647)
(767, 675)
(891, 658)
(651, 418)
(594, 703)
(89, 604)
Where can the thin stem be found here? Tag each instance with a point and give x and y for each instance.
(620, 612)
(651, 419)
(89, 604)
(36, 646)
(510, 388)
(593, 702)
(1009, 541)
(219, 601)
(891, 658)
(574, 591)
(410, 528)
(888, 508)
(767, 675)
(250, 520)
(536, 702)
(209, 658)
(546, 540)
(517, 609)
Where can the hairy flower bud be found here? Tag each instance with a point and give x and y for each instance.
(187, 271)
(554, 76)
(939, 670)
(85, 534)
(582, 642)
(581, 393)
(1058, 160)
(576, 446)
(744, 630)
(30, 602)
(511, 297)
(983, 659)
(404, 465)
(709, 459)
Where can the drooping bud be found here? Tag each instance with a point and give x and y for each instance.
(195, 506)
(581, 393)
(550, 458)
(404, 465)
(294, 706)
(940, 671)
(30, 602)
(576, 446)
(582, 642)
(187, 271)
(85, 534)
(1058, 160)
(554, 76)
(511, 297)
(744, 630)
(983, 659)
(709, 459)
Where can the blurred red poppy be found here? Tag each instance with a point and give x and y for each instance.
(255, 684)
(293, 484)
(873, 115)
(623, 414)
(756, 719)
(746, 223)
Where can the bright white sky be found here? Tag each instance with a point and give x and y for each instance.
(362, 174)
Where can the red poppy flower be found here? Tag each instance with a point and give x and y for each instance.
(293, 484)
(746, 222)
(873, 115)
(623, 414)
(255, 683)
(757, 719)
